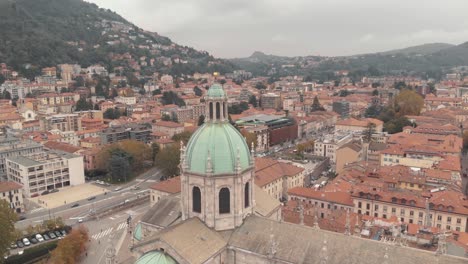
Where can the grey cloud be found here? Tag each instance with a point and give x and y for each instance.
(236, 28)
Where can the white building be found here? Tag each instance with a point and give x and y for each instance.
(47, 170)
(12, 192)
(128, 100)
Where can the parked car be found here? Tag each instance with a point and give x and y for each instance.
(52, 235)
(20, 244)
(54, 190)
(13, 246)
(26, 242)
(75, 205)
(91, 198)
(39, 237)
(34, 195)
(63, 232)
(57, 234)
(46, 237)
(117, 189)
(33, 240)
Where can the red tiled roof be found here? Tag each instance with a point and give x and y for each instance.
(9, 186)
(171, 185)
(343, 198)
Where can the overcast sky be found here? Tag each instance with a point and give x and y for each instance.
(236, 28)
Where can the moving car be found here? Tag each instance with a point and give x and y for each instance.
(45, 192)
(54, 190)
(117, 189)
(91, 198)
(75, 205)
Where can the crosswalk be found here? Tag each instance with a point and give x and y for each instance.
(37, 210)
(108, 231)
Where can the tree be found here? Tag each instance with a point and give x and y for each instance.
(2, 79)
(375, 92)
(375, 85)
(250, 138)
(316, 106)
(168, 160)
(260, 86)
(156, 92)
(6, 95)
(7, 226)
(72, 247)
(344, 93)
(119, 165)
(253, 100)
(201, 120)
(184, 137)
(396, 125)
(370, 130)
(172, 98)
(166, 117)
(83, 105)
(155, 148)
(373, 111)
(197, 91)
(409, 103)
(112, 114)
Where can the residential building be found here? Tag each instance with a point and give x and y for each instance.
(46, 170)
(12, 192)
(327, 146)
(138, 132)
(271, 101)
(169, 128)
(12, 147)
(359, 125)
(127, 100)
(62, 122)
(164, 188)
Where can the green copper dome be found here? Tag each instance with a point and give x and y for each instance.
(216, 91)
(222, 143)
(155, 257)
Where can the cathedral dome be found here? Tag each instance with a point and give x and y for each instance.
(220, 142)
(155, 257)
(216, 91)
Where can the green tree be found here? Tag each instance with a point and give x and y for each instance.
(119, 165)
(155, 148)
(400, 85)
(7, 226)
(166, 117)
(112, 114)
(253, 100)
(201, 120)
(168, 160)
(344, 93)
(375, 85)
(156, 92)
(260, 86)
(316, 106)
(396, 125)
(2, 79)
(197, 91)
(172, 98)
(375, 92)
(83, 105)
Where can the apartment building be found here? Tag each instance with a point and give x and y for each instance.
(138, 132)
(276, 178)
(46, 170)
(271, 101)
(58, 99)
(169, 128)
(443, 209)
(62, 122)
(12, 147)
(12, 192)
(327, 146)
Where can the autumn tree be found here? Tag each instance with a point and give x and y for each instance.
(249, 138)
(168, 160)
(7, 226)
(408, 102)
(71, 248)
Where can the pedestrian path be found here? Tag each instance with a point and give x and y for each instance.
(108, 231)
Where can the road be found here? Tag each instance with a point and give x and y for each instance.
(112, 198)
(464, 165)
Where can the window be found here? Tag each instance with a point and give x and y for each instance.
(384, 216)
(448, 227)
(376, 207)
(368, 206)
(449, 219)
(247, 195)
(457, 228)
(359, 204)
(411, 213)
(224, 201)
(421, 215)
(458, 220)
(393, 210)
(218, 111)
(196, 200)
(439, 218)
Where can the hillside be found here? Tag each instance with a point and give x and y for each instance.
(50, 32)
(424, 49)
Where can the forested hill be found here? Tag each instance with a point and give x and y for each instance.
(49, 32)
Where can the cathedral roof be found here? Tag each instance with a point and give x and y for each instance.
(155, 257)
(216, 91)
